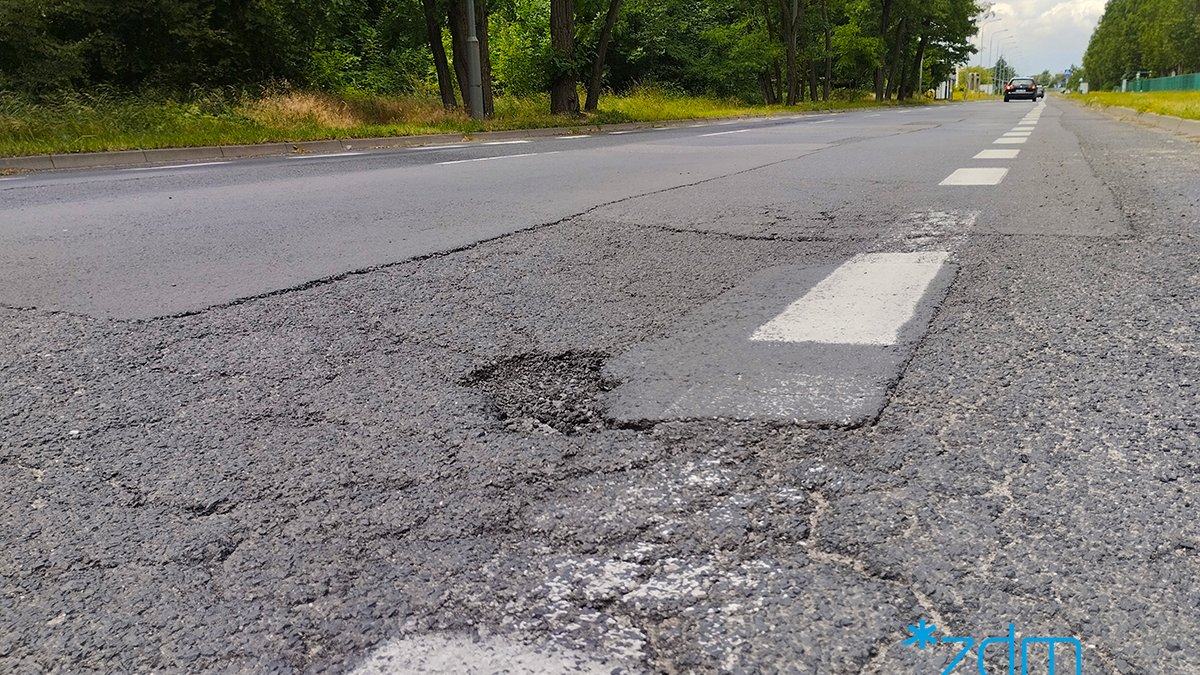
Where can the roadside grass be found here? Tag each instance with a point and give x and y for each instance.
(1185, 104)
(104, 120)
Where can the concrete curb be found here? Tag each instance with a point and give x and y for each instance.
(90, 160)
(1176, 125)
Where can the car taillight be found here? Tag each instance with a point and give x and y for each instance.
(1008, 87)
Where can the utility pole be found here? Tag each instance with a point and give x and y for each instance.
(474, 70)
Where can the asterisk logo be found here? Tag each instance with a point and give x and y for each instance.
(921, 634)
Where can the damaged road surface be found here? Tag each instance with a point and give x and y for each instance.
(656, 402)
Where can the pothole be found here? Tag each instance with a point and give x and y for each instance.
(547, 392)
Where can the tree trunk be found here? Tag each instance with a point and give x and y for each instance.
(790, 10)
(917, 76)
(458, 43)
(593, 90)
(828, 51)
(775, 75)
(433, 30)
(884, 21)
(485, 56)
(901, 32)
(564, 95)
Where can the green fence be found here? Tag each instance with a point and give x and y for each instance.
(1178, 83)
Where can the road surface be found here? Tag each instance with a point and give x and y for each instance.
(747, 397)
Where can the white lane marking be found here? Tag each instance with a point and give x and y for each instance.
(622, 133)
(822, 122)
(335, 154)
(903, 112)
(696, 126)
(866, 301)
(975, 177)
(175, 166)
(449, 653)
(1023, 128)
(13, 178)
(505, 143)
(488, 159)
(571, 138)
(875, 115)
(663, 128)
(443, 147)
(725, 124)
(998, 154)
(1017, 134)
(722, 133)
(1009, 141)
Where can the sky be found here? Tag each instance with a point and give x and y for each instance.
(1037, 35)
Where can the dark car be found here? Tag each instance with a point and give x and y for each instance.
(1021, 87)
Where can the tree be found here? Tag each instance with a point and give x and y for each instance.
(564, 94)
(610, 22)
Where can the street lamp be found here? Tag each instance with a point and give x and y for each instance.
(981, 31)
(992, 43)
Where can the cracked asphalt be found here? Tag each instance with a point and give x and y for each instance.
(353, 431)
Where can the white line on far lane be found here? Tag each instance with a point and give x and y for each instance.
(1009, 141)
(336, 154)
(174, 166)
(822, 122)
(488, 159)
(571, 138)
(866, 301)
(442, 147)
(505, 143)
(722, 133)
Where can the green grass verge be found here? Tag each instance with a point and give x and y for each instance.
(99, 121)
(1185, 104)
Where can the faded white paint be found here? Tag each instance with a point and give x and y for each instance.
(998, 154)
(866, 301)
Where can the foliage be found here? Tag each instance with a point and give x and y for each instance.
(1159, 37)
(747, 50)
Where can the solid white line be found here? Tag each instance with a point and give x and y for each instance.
(696, 126)
(998, 154)
(488, 159)
(823, 122)
(505, 143)
(174, 166)
(725, 124)
(875, 115)
(571, 138)
(975, 177)
(722, 133)
(336, 154)
(622, 133)
(13, 178)
(1009, 141)
(866, 301)
(442, 147)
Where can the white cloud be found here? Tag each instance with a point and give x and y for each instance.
(1037, 35)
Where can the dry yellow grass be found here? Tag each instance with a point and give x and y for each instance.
(300, 108)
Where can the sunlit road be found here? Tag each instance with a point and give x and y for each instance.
(741, 397)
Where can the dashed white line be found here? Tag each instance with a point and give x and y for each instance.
(571, 138)
(1017, 134)
(174, 166)
(443, 147)
(489, 159)
(335, 154)
(998, 154)
(506, 143)
(975, 177)
(822, 122)
(723, 133)
(622, 133)
(866, 301)
(1009, 141)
